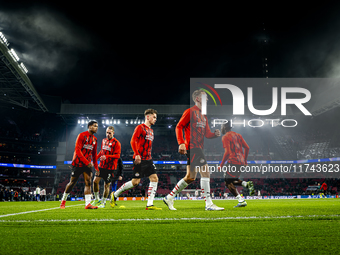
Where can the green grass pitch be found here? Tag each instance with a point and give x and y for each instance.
(299, 226)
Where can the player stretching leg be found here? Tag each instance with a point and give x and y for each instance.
(85, 151)
(233, 144)
(196, 127)
(141, 143)
(108, 156)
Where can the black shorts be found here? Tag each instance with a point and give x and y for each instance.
(231, 171)
(196, 157)
(108, 175)
(77, 171)
(144, 169)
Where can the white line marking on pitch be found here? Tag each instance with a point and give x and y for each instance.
(14, 214)
(174, 219)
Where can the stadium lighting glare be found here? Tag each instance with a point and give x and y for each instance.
(78, 121)
(103, 122)
(13, 55)
(115, 122)
(131, 121)
(138, 122)
(126, 122)
(82, 122)
(23, 67)
(107, 122)
(3, 39)
(118, 121)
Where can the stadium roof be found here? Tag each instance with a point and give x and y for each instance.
(15, 86)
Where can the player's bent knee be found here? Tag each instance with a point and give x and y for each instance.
(135, 182)
(189, 180)
(153, 178)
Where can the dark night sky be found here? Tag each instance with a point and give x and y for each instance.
(147, 54)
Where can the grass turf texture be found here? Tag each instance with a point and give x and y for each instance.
(304, 226)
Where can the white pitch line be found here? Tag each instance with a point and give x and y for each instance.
(175, 219)
(14, 214)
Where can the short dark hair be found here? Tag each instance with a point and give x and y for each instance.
(150, 111)
(226, 127)
(91, 122)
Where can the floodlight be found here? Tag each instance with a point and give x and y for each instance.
(13, 55)
(3, 39)
(23, 67)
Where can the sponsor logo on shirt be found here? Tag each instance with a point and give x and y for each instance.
(149, 136)
(88, 147)
(107, 148)
(200, 124)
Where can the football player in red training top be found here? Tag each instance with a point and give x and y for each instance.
(141, 143)
(323, 190)
(85, 152)
(233, 144)
(196, 127)
(108, 156)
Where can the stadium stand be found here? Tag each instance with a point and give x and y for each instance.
(28, 137)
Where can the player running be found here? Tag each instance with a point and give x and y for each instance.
(233, 144)
(323, 190)
(108, 156)
(141, 143)
(196, 127)
(85, 152)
